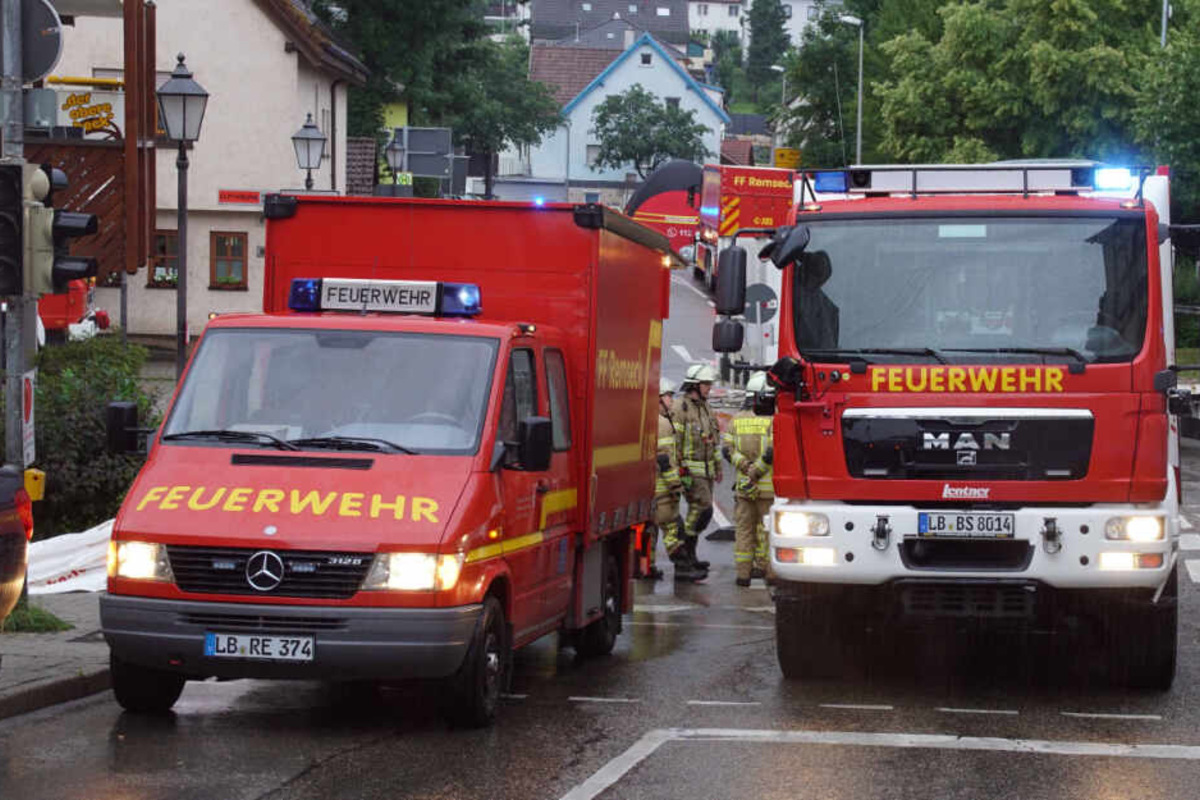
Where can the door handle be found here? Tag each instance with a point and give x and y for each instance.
(543, 486)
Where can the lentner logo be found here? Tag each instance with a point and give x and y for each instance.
(965, 492)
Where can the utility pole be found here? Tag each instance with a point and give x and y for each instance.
(1165, 16)
(12, 109)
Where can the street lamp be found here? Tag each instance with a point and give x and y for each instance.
(783, 90)
(181, 104)
(310, 149)
(394, 153)
(858, 23)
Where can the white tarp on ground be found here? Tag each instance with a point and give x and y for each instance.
(73, 562)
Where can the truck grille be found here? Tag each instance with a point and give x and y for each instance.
(1011, 555)
(306, 573)
(968, 600)
(266, 623)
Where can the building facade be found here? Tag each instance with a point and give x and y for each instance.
(267, 65)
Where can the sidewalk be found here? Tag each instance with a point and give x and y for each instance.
(42, 669)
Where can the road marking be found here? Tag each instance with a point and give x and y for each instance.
(1098, 715)
(1193, 568)
(661, 609)
(703, 625)
(719, 516)
(1001, 711)
(857, 707)
(506, 696)
(682, 352)
(1185, 523)
(723, 703)
(604, 699)
(691, 288)
(614, 770)
(1189, 541)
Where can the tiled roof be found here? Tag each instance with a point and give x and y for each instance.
(567, 70)
(612, 35)
(360, 165)
(556, 19)
(314, 39)
(737, 152)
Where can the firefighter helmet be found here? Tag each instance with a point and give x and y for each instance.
(757, 384)
(700, 373)
(665, 386)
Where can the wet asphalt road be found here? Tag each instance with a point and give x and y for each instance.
(690, 705)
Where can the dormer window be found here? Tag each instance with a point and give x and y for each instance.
(645, 59)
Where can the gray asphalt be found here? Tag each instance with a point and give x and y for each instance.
(690, 705)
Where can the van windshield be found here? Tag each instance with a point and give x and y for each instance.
(340, 389)
(961, 288)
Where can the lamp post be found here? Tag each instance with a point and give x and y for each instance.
(394, 153)
(858, 23)
(181, 104)
(310, 149)
(783, 90)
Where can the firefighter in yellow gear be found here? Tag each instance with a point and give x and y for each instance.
(668, 487)
(747, 444)
(697, 437)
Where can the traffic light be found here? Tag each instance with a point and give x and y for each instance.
(49, 264)
(12, 212)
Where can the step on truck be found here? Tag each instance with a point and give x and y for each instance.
(434, 446)
(976, 421)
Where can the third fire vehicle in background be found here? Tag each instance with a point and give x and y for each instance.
(976, 418)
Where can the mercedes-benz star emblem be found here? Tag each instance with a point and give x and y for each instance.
(264, 571)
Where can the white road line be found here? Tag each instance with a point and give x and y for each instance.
(1185, 523)
(604, 699)
(1189, 541)
(662, 609)
(1193, 568)
(719, 516)
(506, 696)
(682, 352)
(703, 625)
(690, 288)
(1001, 711)
(614, 770)
(723, 703)
(857, 707)
(1097, 715)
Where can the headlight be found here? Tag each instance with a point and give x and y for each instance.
(801, 523)
(1134, 529)
(1122, 562)
(414, 572)
(808, 556)
(146, 561)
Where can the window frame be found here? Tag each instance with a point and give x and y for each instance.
(510, 460)
(549, 356)
(153, 263)
(212, 262)
(647, 59)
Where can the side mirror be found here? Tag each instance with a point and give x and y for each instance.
(786, 373)
(731, 281)
(121, 424)
(787, 245)
(1165, 381)
(535, 446)
(728, 336)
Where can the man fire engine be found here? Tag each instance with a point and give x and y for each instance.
(416, 460)
(975, 413)
(747, 445)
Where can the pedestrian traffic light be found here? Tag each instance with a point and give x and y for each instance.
(12, 213)
(49, 263)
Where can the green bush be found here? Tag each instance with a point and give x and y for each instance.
(1187, 292)
(76, 381)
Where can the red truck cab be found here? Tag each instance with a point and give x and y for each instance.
(422, 456)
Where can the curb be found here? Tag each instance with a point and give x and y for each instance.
(54, 692)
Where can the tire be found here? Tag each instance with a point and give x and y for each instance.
(143, 690)
(809, 645)
(698, 274)
(599, 638)
(484, 673)
(1142, 649)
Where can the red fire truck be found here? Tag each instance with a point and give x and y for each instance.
(423, 455)
(976, 411)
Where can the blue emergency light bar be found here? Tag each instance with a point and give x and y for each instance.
(431, 298)
(833, 182)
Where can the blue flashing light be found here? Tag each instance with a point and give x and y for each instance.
(460, 300)
(539, 201)
(1113, 178)
(305, 294)
(710, 211)
(832, 182)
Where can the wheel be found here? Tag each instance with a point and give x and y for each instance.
(484, 672)
(1143, 643)
(698, 273)
(599, 638)
(808, 642)
(143, 690)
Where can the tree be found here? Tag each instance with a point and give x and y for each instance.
(768, 41)
(497, 106)
(635, 128)
(727, 55)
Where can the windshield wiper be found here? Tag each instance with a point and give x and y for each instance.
(254, 437)
(1070, 352)
(352, 443)
(857, 353)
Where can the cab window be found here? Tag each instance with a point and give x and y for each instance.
(560, 407)
(520, 394)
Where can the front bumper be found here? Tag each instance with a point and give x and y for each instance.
(1075, 565)
(350, 642)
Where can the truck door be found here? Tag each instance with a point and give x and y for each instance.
(559, 489)
(522, 537)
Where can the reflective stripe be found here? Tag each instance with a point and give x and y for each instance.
(504, 548)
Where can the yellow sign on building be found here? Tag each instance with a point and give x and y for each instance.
(787, 157)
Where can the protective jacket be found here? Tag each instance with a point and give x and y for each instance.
(668, 481)
(747, 439)
(697, 434)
